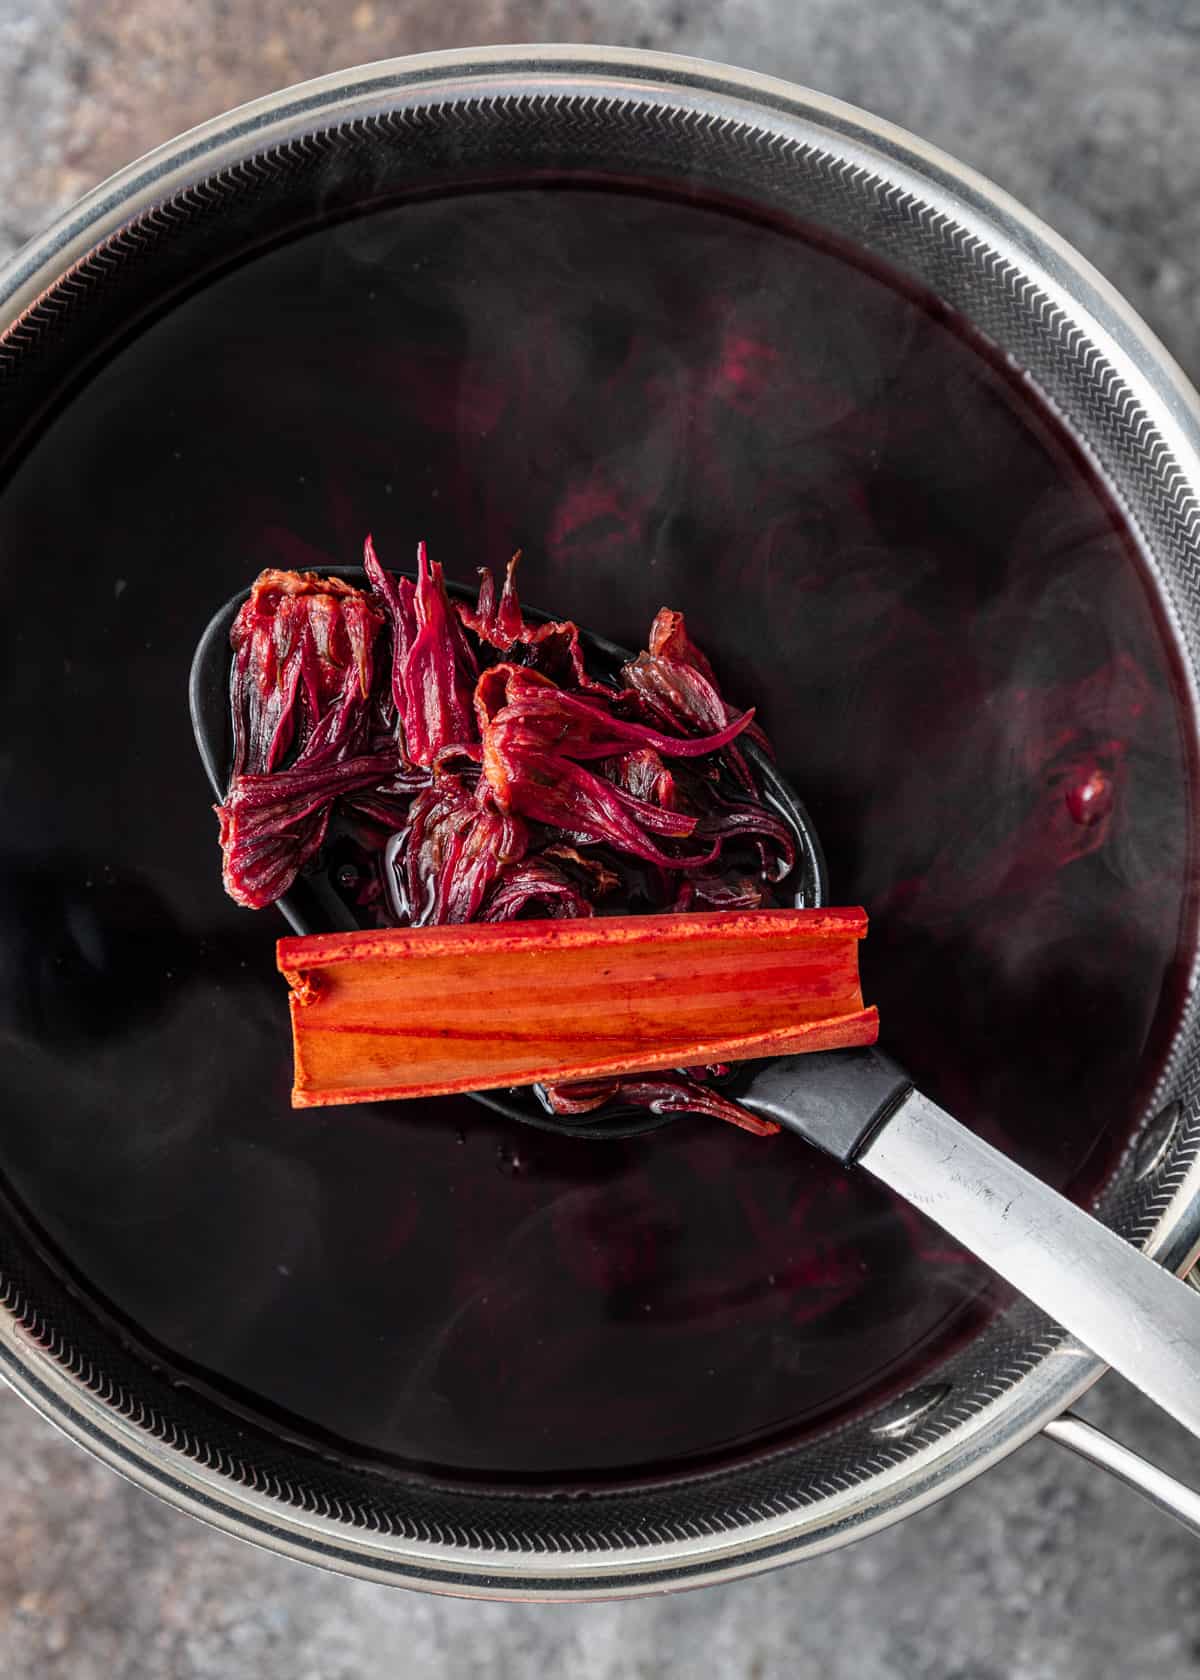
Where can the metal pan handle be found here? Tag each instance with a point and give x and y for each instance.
(1178, 1500)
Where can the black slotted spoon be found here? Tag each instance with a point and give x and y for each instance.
(313, 903)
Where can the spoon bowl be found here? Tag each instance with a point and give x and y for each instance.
(313, 904)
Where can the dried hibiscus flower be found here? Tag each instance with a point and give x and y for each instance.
(449, 854)
(433, 668)
(488, 774)
(303, 704)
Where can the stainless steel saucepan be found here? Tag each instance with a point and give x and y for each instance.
(225, 196)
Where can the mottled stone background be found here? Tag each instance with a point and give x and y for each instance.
(1043, 1570)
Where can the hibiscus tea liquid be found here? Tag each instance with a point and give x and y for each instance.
(879, 537)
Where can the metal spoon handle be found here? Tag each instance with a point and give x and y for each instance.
(1128, 1310)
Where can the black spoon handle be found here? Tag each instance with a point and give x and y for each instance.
(833, 1098)
(1136, 1316)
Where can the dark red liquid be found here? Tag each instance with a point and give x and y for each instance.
(877, 538)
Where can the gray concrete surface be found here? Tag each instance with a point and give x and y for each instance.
(1042, 1570)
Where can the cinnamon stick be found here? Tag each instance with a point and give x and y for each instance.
(426, 1012)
